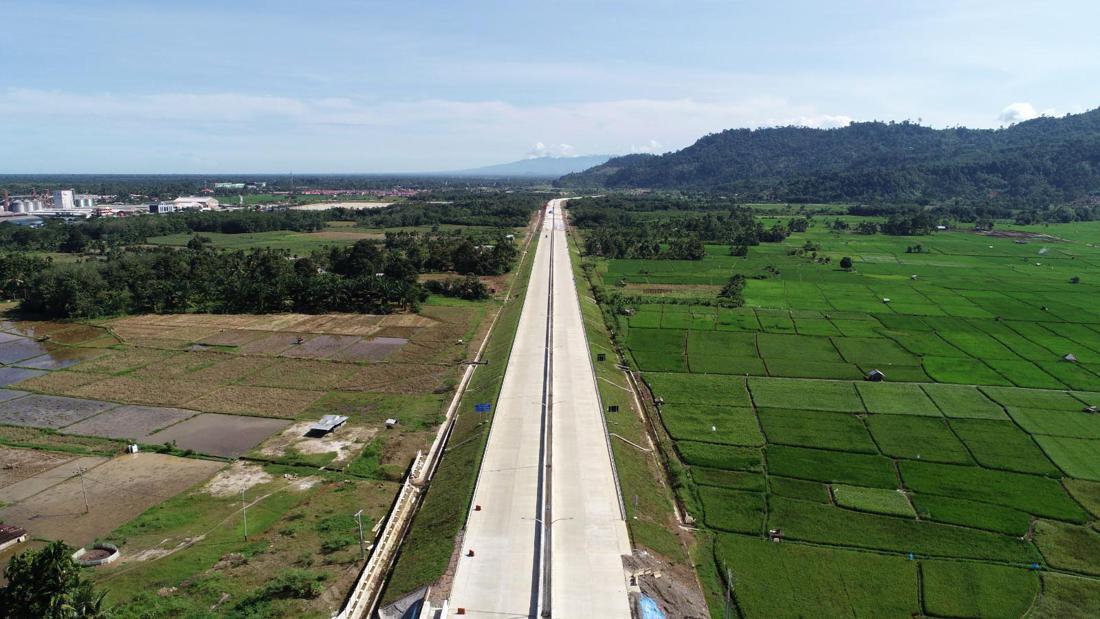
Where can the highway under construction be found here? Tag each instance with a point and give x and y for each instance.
(546, 532)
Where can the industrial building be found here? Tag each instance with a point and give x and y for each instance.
(196, 202)
(63, 200)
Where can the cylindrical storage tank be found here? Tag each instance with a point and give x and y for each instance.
(18, 207)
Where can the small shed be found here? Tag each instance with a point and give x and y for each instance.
(391, 422)
(1090, 409)
(1072, 358)
(11, 535)
(875, 376)
(327, 424)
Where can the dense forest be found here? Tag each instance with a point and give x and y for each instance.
(638, 227)
(1031, 164)
(366, 277)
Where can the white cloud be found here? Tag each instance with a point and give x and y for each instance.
(652, 147)
(151, 132)
(1021, 111)
(553, 150)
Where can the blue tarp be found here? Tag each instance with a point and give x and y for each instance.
(649, 609)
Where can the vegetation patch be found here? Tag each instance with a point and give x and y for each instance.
(963, 512)
(732, 510)
(917, 438)
(795, 580)
(896, 399)
(816, 429)
(1078, 457)
(805, 394)
(874, 500)
(826, 524)
(961, 589)
(1041, 496)
(712, 424)
(831, 466)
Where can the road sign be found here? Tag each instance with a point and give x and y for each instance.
(483, 407)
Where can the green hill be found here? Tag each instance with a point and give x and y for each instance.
(1037, 162)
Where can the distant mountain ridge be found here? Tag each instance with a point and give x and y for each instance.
(549, 167)
(1045, 159)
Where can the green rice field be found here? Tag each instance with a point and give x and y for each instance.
(965, 484)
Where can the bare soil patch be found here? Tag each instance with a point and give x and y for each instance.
(19, 464)
(49, 411)
(47, 478)
(227, 436)
(235, 479)
(265, 401)
(130, 422)
(118, 490)
(346, 442)
(674, 587)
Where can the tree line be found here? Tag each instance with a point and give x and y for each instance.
(612, 232)
(369, 277)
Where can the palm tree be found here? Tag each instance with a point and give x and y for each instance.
(47, 584)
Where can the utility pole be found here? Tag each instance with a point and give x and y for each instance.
(362, 547)
(84, 489)
(244, 507)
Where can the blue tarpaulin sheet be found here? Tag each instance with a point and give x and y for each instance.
(649, 609)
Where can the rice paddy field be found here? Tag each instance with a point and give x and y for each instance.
(221, 408)
(965, 484)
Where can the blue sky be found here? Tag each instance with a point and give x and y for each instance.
(419, 85)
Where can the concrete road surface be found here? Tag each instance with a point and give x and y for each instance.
(502, 578)
(507, 576)
(588, 535)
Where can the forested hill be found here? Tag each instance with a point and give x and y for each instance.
(1031, 163)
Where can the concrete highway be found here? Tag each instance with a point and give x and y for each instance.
(588, 535)
(547, 460)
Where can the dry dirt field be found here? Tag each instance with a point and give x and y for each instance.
(118, 490)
